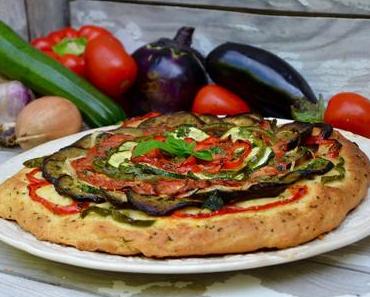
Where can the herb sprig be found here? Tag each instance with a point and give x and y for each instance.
(173, 146)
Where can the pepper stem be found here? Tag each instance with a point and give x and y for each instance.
(184, 36)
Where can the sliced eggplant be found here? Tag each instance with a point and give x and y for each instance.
(244, 119)
(209, 119)
(33, 163)
(159, 206)
(136, 132)
(217, 129)
(274, 186)
(291, 138)
(68, 186)
(117, 198)
(172, 120)
(325, 130)
(54, 166)
(294, 158)
(304, 129)
(88, 141)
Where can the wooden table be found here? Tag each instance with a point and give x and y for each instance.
(344, 272)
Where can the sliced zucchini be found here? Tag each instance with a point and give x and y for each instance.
(172, 120)
(117, 215)
(261, 158)
(118, 158)
(229, 174)
(148, 169)
(54, 166)
(242, 133)
(127, 146)
(189, 132)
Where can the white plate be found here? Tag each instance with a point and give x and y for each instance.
(355, 227)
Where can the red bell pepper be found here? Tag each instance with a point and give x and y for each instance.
(94, 53)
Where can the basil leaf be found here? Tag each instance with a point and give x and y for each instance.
(205, 155)
(172, 146)
(146, 146)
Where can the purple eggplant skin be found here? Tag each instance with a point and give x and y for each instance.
(268, 83)
(170, 73)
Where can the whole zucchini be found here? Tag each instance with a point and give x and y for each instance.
(20, 61)
(268, 83)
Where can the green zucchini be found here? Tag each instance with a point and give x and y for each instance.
(20, 61)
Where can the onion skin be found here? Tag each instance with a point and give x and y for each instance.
(45, 119)
(170, 73)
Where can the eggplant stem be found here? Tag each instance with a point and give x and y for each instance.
(184, 36)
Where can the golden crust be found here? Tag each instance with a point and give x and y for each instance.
(319, 211)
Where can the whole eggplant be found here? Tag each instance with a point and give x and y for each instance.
(170, 73)
(268, 83)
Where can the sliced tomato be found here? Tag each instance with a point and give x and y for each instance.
(231, 162)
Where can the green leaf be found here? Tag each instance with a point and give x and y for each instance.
(145, 147)
(75, 46)
(305, 111)
(205, 155)
(172, 146)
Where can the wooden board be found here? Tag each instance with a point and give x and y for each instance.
(353, 7)
(45, 16)
(21, 287)
(332, 54)
(302, 279)
(13, 13)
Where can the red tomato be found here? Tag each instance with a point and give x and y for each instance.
(108, 66)
(91, 32)
(59, 35)
(213, 99)
(74, 63)
(42, 44)
(349, 111)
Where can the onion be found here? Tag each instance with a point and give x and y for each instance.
(45, 119)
